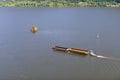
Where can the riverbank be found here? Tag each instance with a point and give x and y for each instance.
(58, 4)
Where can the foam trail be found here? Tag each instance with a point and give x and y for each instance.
(91, 53)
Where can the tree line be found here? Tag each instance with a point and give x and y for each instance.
(72, 1)
(60, 3)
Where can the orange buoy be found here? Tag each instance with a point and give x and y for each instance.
(34, 29)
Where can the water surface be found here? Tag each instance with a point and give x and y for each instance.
(28, 56)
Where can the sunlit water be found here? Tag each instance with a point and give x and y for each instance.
(28, 56)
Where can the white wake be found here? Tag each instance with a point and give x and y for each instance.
(91, 53)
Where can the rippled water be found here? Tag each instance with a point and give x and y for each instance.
(28, 56)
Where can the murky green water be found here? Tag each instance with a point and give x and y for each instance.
(27, 56)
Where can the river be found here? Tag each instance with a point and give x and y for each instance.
(28, 56)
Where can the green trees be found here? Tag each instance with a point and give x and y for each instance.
(61, 3)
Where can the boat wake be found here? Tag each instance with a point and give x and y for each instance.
(91, 53)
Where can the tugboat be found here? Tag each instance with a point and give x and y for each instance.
(91, 53)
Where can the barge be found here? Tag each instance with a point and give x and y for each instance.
(71, 50)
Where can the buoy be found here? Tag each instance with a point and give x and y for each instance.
(34, 29)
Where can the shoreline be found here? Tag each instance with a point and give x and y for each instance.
(59, 4)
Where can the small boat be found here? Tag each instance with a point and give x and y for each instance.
(71, 50)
